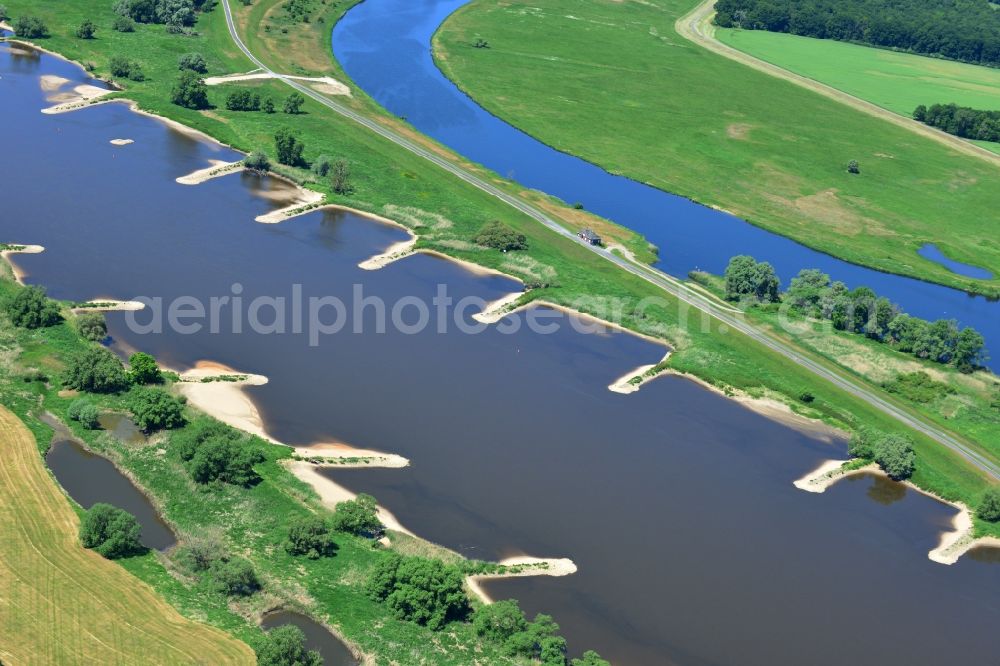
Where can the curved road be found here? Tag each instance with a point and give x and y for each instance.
(696, 26)
(671, 285)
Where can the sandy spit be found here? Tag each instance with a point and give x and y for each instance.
(498, 309)
(394, 252)
(121, 142)
(216, 169)
(82, 95)
(625, 385)
(323, 84)
(951, 544)
(306, 202)
(25, 249)
(111, 305)
(535, 566)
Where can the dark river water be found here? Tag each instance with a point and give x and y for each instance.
(318, 638)
(384, 46)
(676, 504)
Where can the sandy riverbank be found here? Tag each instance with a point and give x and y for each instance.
(332, 493)
(951, 544)
(65, 99)
(20, 249)
(532, 566)
(216, 169)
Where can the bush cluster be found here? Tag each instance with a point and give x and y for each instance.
(428, 592)
(31, 308)
(358, 516)
(155, 409)
(892, 452)
(110, 531)
(122, 67)
(312, 537)
(212, 451)
(497, 235)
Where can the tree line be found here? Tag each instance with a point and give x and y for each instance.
(962, 121)
(966, 30)
(860, 311)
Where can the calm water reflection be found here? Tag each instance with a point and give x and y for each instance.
(676, 504)
(318, 638)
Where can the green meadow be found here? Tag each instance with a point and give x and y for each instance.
(614, 83)
(893, 80)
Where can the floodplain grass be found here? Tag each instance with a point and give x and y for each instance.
(614, 83)
(894, 80)
(446, 213)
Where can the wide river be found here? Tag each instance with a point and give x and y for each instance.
(677, 505)
(384, 46)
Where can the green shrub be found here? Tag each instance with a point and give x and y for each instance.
(499, 236)
(190, 91)
(234, 578)
(285, 646)
(85, 412)
(357, 516)
(124, 24)
(87, 30)
(193, 61)
(918, 387)
(122, 67)
(321, 167)
(311, 537)
(96, 370)
(590, 658)
(498, 621)
(143, 369)
(257, 161)
(862, 444)
(243, 100)
(31, 308)
(212, 451)
(428, 592)
(110, 531)
(989, 506)
(155, 409)
(293, 103)
(92, 326)
(894, 454)
(30, 27)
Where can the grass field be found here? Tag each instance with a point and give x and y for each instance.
(62, 604)
(446, 213)
(893, 80)
(614, 83)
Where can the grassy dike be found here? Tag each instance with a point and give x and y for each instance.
(697, 124)
(446, 213)
(251, 522)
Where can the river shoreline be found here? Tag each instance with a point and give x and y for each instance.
(952, 545)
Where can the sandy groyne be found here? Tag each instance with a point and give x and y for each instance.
(108, 305)
(516, 567)
(15, 248)
(394, 252)
(216, 169)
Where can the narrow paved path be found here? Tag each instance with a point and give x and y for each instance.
(723, 313)
(696, 26)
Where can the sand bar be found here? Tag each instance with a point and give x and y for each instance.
(533, 566)
(394, 252)
(109, 305)
(305, 202)
(497, 310)
(216, 169)
(632, 381)
(121, 142)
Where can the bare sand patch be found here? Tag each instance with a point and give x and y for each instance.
(324, 84)
(216, 169)
(497, 310)
(632, 381)
(121, 142)
(82, 95)
(109, 305)
(394, 252)
(306, 201)
(526, 566)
